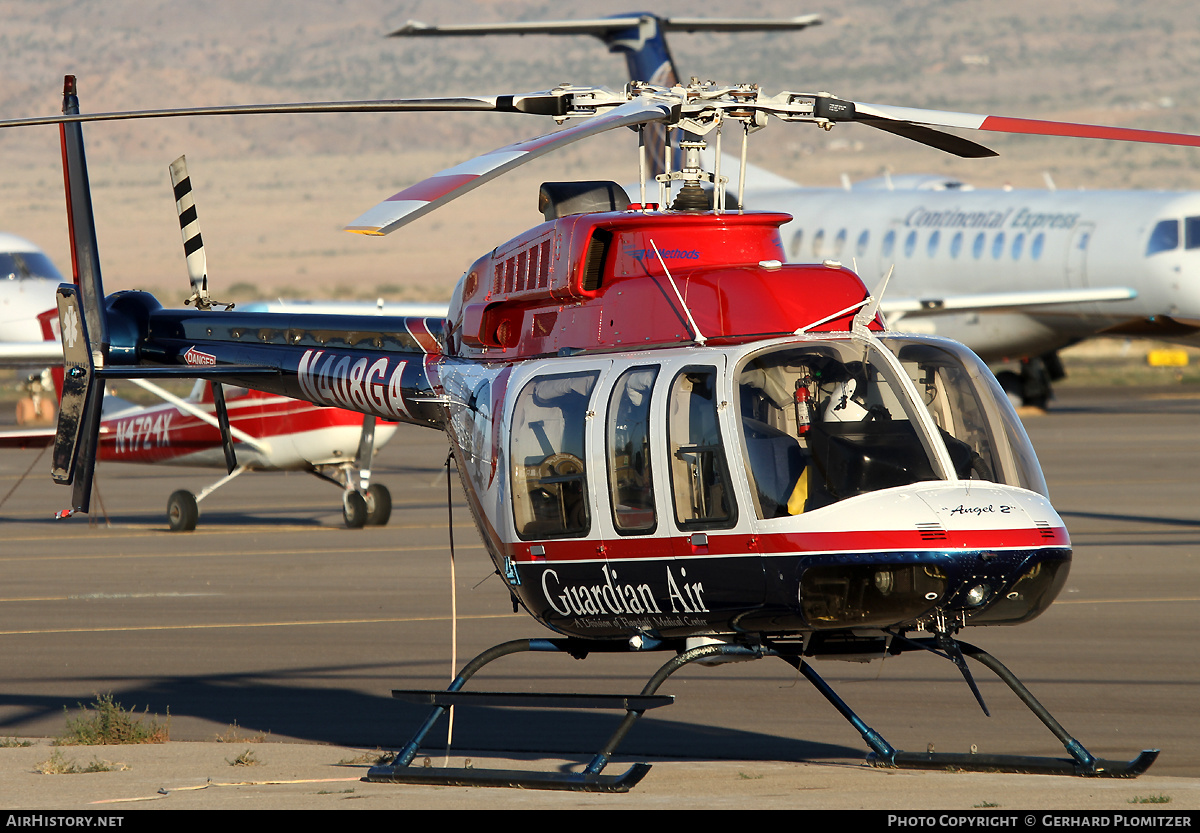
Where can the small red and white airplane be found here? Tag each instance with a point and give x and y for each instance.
(270, 433)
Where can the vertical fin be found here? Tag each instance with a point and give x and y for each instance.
(85, 256)
(82, 323)
(79, 410)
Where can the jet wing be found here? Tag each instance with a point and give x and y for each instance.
(994, 301)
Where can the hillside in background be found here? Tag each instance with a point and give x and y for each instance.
(273, 192)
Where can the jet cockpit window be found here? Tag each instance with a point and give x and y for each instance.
(1191, 232)
(21, 265)
(824, 422)
(550, 498)
(1164, 238)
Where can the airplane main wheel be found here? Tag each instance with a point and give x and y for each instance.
(1010, 383)
(379, 505)
(182, 511)
(354, 510)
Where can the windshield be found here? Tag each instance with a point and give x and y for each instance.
(826, 421)
(981, 431)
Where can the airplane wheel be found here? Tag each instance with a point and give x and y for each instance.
(182, 511)
(379, 505)
(354, 510)
(1010, 383)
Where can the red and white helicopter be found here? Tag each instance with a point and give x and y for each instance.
(670, 440)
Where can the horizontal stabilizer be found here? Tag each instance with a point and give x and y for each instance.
(23, 353)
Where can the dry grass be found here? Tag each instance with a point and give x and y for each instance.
(59, 764)
(107, 722)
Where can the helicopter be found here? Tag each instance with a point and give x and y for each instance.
(669, 439)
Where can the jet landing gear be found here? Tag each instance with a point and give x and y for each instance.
(400, 771)
(1033, 386)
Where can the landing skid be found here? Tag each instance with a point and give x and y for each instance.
(1081, 762)
(882, 754)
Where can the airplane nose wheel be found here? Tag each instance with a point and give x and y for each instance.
(182, 511)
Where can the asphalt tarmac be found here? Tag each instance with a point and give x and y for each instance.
(271, 622)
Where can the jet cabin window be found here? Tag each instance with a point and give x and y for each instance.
(549, 476)
(825, 422)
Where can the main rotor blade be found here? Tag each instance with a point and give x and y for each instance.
(947, 142)
(439, 189)
(602, 26)
(538, 103)
(879, 114)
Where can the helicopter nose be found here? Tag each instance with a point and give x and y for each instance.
(1022, 556)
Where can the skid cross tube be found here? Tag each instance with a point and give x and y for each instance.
(590, 779)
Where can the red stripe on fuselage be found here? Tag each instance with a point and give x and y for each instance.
(791, 543)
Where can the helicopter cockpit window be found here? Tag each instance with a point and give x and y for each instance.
(825, 422)
(981, 432)
(629, 458)
(550, 498)
(1164, 238)
(699, 473)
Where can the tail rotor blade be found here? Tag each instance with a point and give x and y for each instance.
(189, 226)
